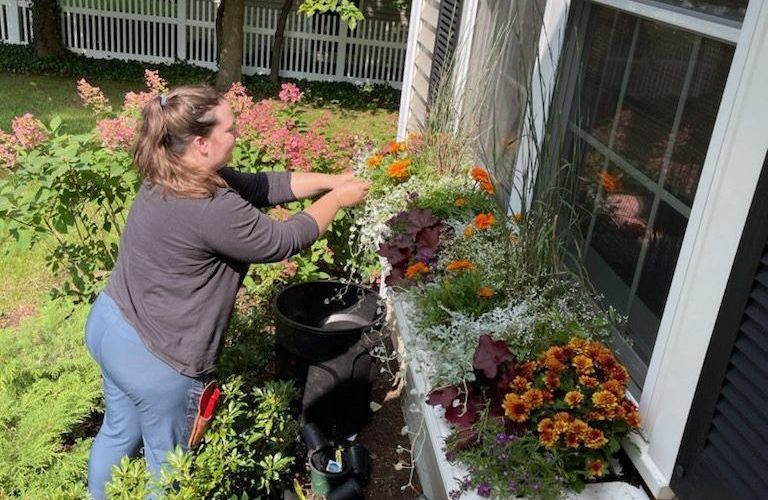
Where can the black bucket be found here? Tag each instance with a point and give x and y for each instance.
(319, 320)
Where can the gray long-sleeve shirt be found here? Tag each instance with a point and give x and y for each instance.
(182, 260)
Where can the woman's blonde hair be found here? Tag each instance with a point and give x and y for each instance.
(169, 124)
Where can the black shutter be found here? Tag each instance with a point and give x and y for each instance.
(724, 452)
(445, 43)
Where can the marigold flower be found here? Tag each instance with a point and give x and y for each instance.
(520, 384)
(578, 345)
(374, 160)
(533, 398)
(469, 231)
(579, 428)
(589, 382)
(606, 361)
(460, 202)
(633, 419)
(552, 363)
(620, 374)
(515, 408)
(484, 221)
(610, 182)
(416, 269)
(562, 421)
(594, 438)
(614, 387)
(551, 380)
(485, 292)
(392, 147)
(548, 434)
(583, 364)
(458, 265)
(526, 369)
(595, 468)
(571, 440)
(573, 398)
(399, 169)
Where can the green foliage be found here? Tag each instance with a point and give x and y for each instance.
(22, 59)
(458, 292)
(451, 201)
(72, 189)
(511, 466)
(246, 450)
(348, 11)
(51, 391)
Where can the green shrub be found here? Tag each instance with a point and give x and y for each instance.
(51, 390)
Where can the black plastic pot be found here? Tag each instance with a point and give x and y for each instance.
(359, 459)
(313, 437)
(348, 490)
(319, 320)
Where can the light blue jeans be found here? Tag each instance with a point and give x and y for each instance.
(147, 402)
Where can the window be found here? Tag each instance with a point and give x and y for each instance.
(645, 105)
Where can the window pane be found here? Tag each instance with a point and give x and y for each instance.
(698, 119)
(732, 10)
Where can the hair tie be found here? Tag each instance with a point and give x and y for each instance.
(163, 101)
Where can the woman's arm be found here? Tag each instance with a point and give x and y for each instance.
(309, 185)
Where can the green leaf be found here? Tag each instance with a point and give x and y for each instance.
(55, 123)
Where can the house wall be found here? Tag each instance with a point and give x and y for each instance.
(422, 64)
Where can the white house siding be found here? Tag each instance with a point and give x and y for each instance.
(422, 65)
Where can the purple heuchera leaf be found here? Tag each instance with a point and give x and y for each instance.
(489, 355)
(462, 415)
(419, 219)
(394, 254)
(443, 397)
(429, 237)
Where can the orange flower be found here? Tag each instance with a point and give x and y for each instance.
(526, 369)
(611, 183)
(614, 387)
(577, 345)
(620, 374)
(416, 269)
(547, 432)
(399, 169)
(520, 384)
(484, 221)
(485, 292)
(479, 174)
(533, 398)
(514, 408)
(633, 419)
(460, 202)
(469, 231)
(595, 468)
(517, 217)
(574, 398)
(373, 161)
(606, 360)
(392, 147)
(579, 428)
(562, 421)
(589, 382)
(458, 265)
(553, 359)
(594, 438)
(583, 364)
(551, 380)
(572, 440)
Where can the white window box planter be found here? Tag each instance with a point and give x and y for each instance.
(428, 430)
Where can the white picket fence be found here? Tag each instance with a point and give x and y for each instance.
(163, 31)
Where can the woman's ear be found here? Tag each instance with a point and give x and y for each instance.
(200, 144)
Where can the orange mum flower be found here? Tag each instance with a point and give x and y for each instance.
(579, 428)
(551, 380)
(613, 386)
(572, 440)
(484, 221)
(514, 408)
(633, 419)
(392, 147)
(589, 382)
(526, 369)
(399, 169)
(620, 374)
(469, 231)
(533, 398)
(574, 398)
(520, 384)
(552, 363)
(547, 432)
(460, 202)
(485, 292)
(458, 265)
(595, 468)
(611, 183)
(479, 174)
(594, 438)
(577, 345)
(416, 269)
(606, 360)
(562, 421)
(583, 364)
(373, 161)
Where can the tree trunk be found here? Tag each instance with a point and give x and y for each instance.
(277, 46)
(231, 43)
(46, 19)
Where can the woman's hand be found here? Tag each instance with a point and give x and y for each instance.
(351, 192)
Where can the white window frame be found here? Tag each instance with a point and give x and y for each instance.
(729, 175)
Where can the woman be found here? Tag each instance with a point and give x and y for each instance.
(158, 327)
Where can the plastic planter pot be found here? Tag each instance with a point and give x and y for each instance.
(323, 482)
(319, 320)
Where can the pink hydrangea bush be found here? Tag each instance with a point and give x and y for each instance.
(117, 133)
(29, 131)
(93, 98)
(290, 93)
(7, 150)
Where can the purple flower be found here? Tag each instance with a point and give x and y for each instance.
(484, 489)
(513, 487)
(450, 456)
(501, 438)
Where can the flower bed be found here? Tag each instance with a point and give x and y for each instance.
(523, 398)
